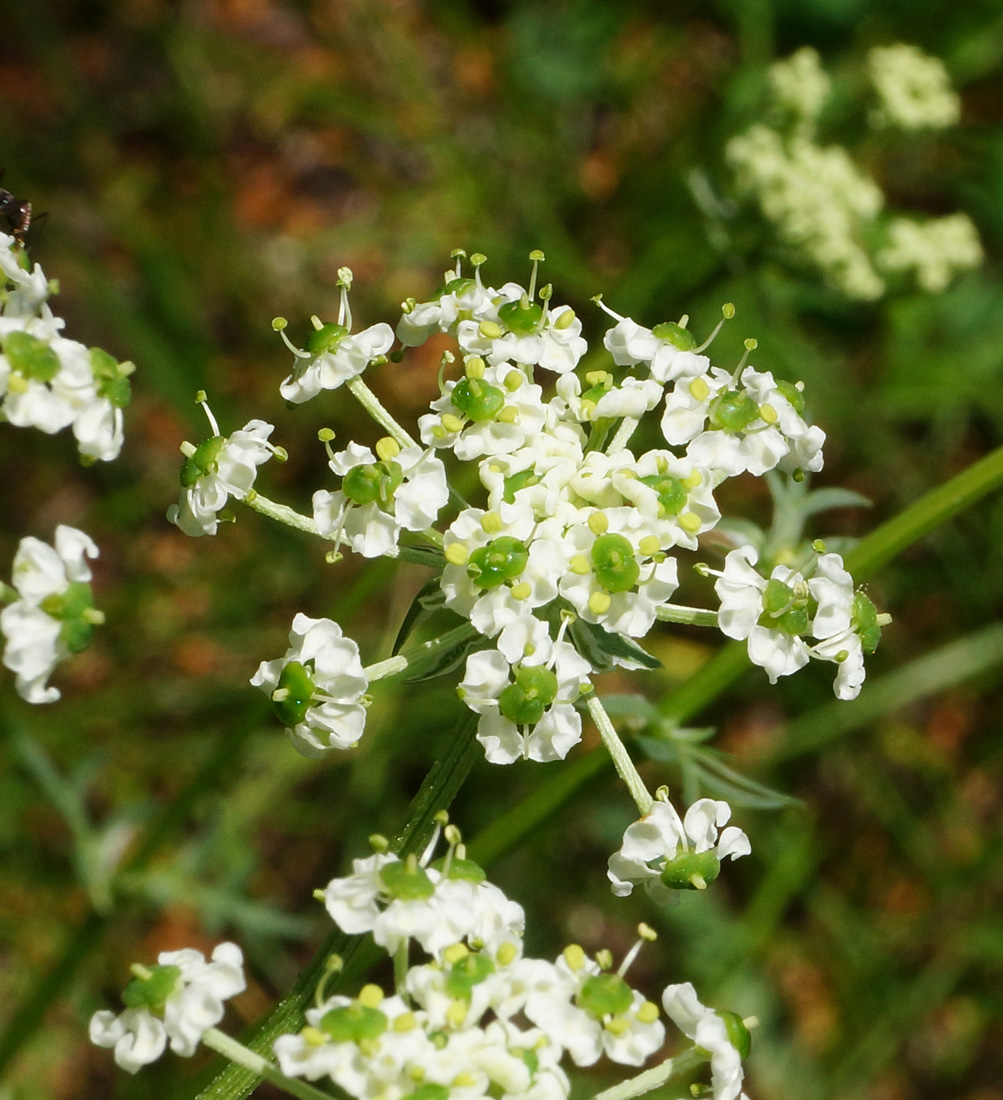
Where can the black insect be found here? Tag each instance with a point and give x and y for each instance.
(15, 214)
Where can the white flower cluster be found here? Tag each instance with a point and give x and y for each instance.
(481, 1018)
(829, 210)
(913, 88)
(52, 612)
(176, 1001)
(49, 382)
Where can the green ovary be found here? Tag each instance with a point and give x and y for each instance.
(733, 411)
(614, 564)
(353, 1023)
(503, 559)
(374, 483)
(296, 682)
(476, 399)
(525, 701)
(784, 609)
(671, 493)
(605, 995)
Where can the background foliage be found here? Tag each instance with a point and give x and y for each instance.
(208, 165)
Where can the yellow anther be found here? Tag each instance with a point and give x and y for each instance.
(565, 320)
(508, 414)
(647, 1013)
(574, 956)
(17, 383)
(491, 523)
(604, 958)
(370, 996)
(691, 481)
(521, 591)
(596, 377)
(588, 409)
(387, 448)
(507, 954)
(368, 1047)
(490, 330)
(464, 1081)
(646, 932)
(455, 952)
(457, 553)
(513, 380)
(698, 881)
(599, 603)
(313, 1036)
(579, 565)
(751, 343)
(598, 523)
(728, 310)
(699, 389)
(537, 256)
(649, 545)
(456, 1013)
(690, 521)
(452, 423)
(439, 432)
(768, 413)
(617, 1026)
(404, 1022)
(475, 367)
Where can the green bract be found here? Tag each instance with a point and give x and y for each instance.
(151, 993)
(678, 873)
(733, 411)
(30, 357)
(671, 333)
(503, 559)
(525, 701)
(605, 995)
(614, 564)
(202, 461)
(353, 1023)
(476, 399)
(374, 483)
(295, 680)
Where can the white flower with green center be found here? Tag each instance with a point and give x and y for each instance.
(664, 853)
(722, 1034)
(48, 379)
(30, 292)
(380, 495)
(500, 567)
(590, 1011)
(616, 577)
(535, 477)
(54, 615)
(98, 428)
(668, 349)
(317, 689)
(176, 1001)
(492, 410)
(535, 335)
(786, 400)
(525, 693)
(673, 495)
(459, 299)
(219, 468)
(604, 397)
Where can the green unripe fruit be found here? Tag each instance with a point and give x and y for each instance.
(455, 286)
(733, 411)
(152, 992)
(522, 317)
(406, 883)
(525, 701)
(738, 1033)
(353, 1023)
(295, 680)
(865, 622)
(471, 970)
(614, 564)
(30, 356)
(476, 399)
(202, 461)
(503, 559)
(516, 482)
(374, 483)
(678, 873)
(672, 495)
(794, 396)
(326, 338)
(605, 995)
(671, 333)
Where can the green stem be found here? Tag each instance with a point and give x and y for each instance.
(422, 655)
(260, 1067)
(280, 512)
(371, 403)
(622, 437)
(689, 616)
(619, 755)
(653, 1078)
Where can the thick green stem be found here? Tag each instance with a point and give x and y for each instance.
(245, 1057)
(280, 512)
(619, 755)
(689, 616)
(371, 403)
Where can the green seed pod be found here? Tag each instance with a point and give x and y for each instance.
(614, 564)
(865, 622)
(152, 992)
(525, 701)
(476, 399)
(296, 681)
(671, 333)
(605, 995)
(469, 971)
(353, 1023)
(326, 338)
(30, 356)
(406, 883)
(738, 1033)
(733, 411)
(202, 461)
(678, 873)
(522, 317)
(503, 559)
(672, 494)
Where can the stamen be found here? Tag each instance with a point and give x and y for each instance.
(279, 326)
(751, 343)
(201, 399)
(605, 308)
(536, 256)
(645, 934)
(728, 311)
(344, 309)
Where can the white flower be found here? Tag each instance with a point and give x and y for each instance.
(632, 397)
(334, 356)
(461, 299)
(525, 691)
(664, 854)
(48, 378)
(215, 470)
(177, 1001)
(914, 88)
(317, 687)
(668, 349)
(380, 496)
(722, 1034)
(54, 616)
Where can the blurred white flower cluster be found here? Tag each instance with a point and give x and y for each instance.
(47, 381)
(828, 209)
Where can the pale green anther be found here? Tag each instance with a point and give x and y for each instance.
(407, 306)
(345, 277)
(546, 292)
(537, 256)
(751, 343)
(728, 310)
(379, 843)
(279, 323)
(458, 252)
(478, 258)
(200, 397)
(566, 320)
(326, 435)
